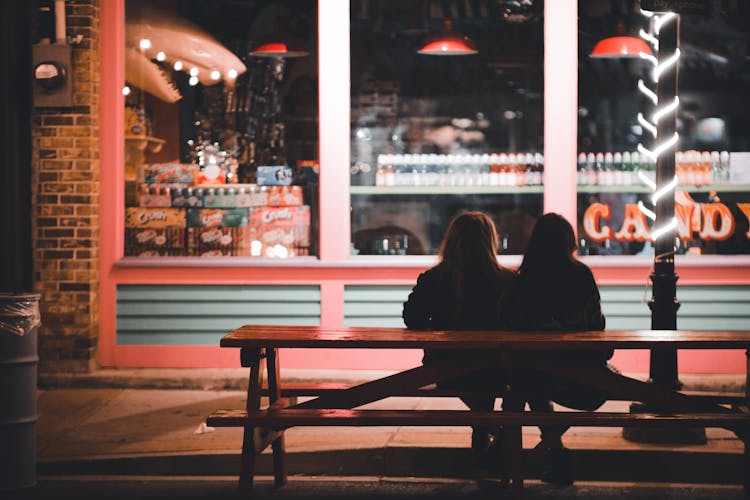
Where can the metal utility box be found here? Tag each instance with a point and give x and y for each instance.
(52, 75)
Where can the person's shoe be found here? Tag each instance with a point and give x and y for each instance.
(480, 441)
(559, 469)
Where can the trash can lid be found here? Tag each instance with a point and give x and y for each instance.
(19, 297)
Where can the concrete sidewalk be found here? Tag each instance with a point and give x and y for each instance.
(119, 428)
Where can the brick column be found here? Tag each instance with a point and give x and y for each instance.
(66, 171)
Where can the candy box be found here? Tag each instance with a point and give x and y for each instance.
(154, 195)
(154, 242)
(217, 241)
(187, 197)
(288, 226)
(284, 196)
(217, 217)
(144, 217)
(278, 175)
(168, 173)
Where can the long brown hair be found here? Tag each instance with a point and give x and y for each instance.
(469, 250)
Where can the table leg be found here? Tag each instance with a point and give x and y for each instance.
(274, 394)
(251, 358)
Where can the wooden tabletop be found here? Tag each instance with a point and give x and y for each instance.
(402, 338)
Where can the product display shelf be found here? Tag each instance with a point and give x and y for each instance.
(640, 188)
(443, 190)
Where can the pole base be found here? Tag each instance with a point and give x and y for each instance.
(666, 435)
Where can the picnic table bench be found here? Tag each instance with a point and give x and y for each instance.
(337, 405)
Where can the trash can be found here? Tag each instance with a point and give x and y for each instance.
(19, 321)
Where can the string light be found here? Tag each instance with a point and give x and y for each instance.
(193, 81)
(126, 90)
(144, 44)
(177, 66)
(161, 56)
(215, 75)
(651, 126)
(232, 73)
(193, 71)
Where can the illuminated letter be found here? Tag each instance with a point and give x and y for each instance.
(591, 218)
(634, 227)
(712, 212)
(745, 207)
(684, 214)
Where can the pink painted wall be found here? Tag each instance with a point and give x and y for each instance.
(334, 269)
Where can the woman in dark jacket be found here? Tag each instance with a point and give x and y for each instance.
(461, 293)
(554, 291)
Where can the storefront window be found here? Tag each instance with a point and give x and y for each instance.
(221, 148)
(712, 161)
(438, 127)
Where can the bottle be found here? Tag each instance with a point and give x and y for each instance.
(538, 169)
(380, 176)
(618, 176)
(608, 170)
(725, 166)
(706, 168)
(590, 169)
(715, 167)
(389, 176)
(599, 168)
(627, 169)
(504, 177)
(581, 168)
(680, 167)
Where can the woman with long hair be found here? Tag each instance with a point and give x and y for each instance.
(461, 293)
(554, 291)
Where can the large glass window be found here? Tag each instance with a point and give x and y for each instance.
(441, 123)
(221, 128)
(712, 160)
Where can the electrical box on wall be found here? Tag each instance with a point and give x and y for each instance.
(53, 74)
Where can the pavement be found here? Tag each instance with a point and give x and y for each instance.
(125, 433)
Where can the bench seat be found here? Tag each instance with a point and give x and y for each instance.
(283, 418)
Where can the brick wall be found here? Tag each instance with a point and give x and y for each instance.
(66, 171)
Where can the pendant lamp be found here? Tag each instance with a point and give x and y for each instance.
(278, 46)
(448, 42)
(619, 47)
(278, 43)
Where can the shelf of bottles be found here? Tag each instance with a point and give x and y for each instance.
(457, 174)
(697, 171)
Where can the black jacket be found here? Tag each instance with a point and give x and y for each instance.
(433, 303)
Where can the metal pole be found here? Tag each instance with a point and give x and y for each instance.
(664, 303)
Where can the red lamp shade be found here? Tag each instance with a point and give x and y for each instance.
(620, 46)
(447, 42)
(278, 46)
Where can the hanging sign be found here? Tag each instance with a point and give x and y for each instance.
(676, 6)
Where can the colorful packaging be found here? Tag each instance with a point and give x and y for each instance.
(218, 241)
(154, 195)
(169, 173)
(154, 242)
(217, 217)
(143, 217)
(284, 196)
(187, 197)
(279, 231)
(279, 175)
(250, 195)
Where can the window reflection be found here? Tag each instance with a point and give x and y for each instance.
(435, 134)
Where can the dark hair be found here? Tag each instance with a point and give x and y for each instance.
(550, 246)
(470, 242)
(469, 250)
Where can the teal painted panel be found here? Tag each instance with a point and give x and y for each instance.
(202, 314)
(626, 307)
(208, 309)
